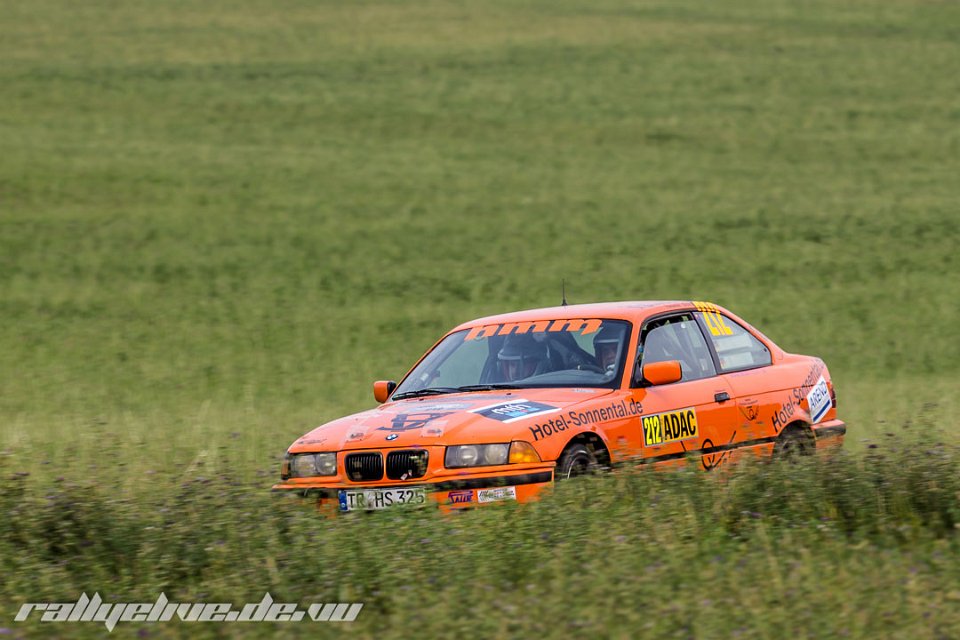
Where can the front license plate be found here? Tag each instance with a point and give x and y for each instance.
(353, 499)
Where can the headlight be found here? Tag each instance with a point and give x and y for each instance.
(326, 464)
(467, 455)
(496, 453)
(486, 455)
(306, 465)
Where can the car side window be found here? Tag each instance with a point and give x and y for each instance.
(736, 347)
(679, 338)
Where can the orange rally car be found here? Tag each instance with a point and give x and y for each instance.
(502, 406)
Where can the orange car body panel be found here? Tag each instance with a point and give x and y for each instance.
(708, 422)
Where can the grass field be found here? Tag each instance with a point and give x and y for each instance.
(221, 221)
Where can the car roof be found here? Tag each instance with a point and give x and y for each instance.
(625, 310)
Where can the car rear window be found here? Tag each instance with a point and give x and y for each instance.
(736, 347)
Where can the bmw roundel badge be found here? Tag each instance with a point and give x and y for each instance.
(392, 436)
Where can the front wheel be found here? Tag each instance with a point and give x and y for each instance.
(576, 460)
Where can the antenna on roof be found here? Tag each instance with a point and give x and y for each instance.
(563, 290)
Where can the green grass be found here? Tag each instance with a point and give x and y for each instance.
(220, 221)
(854, 546)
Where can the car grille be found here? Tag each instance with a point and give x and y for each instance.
(364, 466)
(404, 465)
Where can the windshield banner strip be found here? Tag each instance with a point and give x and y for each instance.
(573, 325)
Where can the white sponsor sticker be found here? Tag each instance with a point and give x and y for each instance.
(497, 494)
(818, 400)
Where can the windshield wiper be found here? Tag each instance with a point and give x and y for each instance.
(436, 391)
(487, 387)
(429, 391)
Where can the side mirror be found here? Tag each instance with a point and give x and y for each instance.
(657, 373)
(382, 389)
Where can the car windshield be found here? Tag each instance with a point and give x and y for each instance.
(546, 353)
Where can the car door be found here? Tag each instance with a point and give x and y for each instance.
(743, 360)
(692, 414)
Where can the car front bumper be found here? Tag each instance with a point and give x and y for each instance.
(449, 492)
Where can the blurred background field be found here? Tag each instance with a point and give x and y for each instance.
(221, 221)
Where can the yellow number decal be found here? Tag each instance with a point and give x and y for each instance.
(713, 319)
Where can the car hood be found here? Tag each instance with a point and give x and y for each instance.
(477, 417)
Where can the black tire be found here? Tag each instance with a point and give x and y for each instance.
(793, 443)
(576, 460)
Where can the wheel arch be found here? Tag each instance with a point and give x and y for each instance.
(798, 426)
(799, 432)
(594, 442)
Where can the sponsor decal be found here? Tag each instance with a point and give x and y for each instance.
(408, 421)
(573, 325)
(712, 460)
(713, 319)
(671, 426)
(815, 372)
(749, 408)
(584, 417)
(818, 400)
(393, 436)
(808, 383)
(497, 494)
(514, 410)
(460, 497)
(782, 415)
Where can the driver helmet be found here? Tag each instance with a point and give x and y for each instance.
(520, 357)
(606, 346)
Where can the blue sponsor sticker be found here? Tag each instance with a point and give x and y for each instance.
(460, 497)
(514, 410)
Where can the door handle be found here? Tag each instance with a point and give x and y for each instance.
(723, 396)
